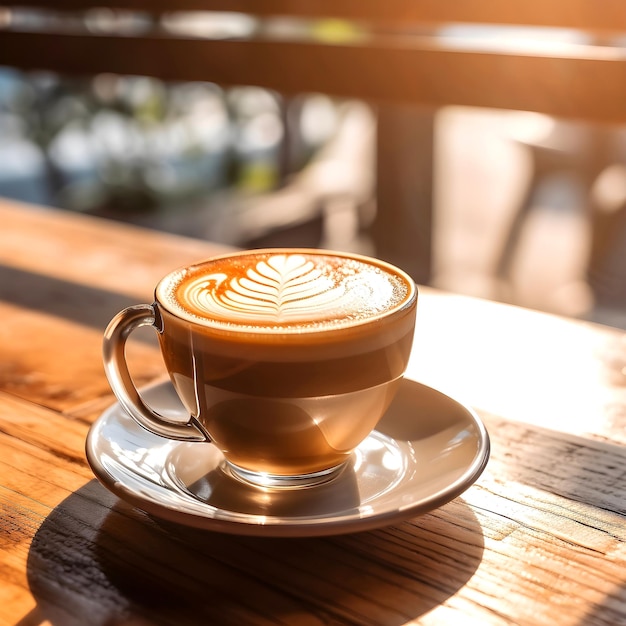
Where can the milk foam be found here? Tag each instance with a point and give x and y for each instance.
(284, 291)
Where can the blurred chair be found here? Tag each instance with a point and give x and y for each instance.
(399, 56)
(607, 262)
(562, 150)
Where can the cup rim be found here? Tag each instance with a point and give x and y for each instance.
(219, 327)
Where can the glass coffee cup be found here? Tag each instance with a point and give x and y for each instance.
(285, 359)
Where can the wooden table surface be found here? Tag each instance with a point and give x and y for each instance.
(539, 539)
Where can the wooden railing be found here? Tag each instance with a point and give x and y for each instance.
(602, 15)
(400, 53)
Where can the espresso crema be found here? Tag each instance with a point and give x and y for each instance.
(285, 291)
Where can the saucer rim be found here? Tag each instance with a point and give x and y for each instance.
(306, 526)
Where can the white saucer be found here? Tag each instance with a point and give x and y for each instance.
(426, 451)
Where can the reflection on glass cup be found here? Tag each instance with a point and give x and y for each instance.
(285, 359)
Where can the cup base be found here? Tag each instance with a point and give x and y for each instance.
(278, 481)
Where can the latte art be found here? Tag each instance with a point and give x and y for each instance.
(285, 287)
(286, 290)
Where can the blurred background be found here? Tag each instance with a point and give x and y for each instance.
(527, 208)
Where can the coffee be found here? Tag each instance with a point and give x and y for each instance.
(279, 292)
(291, 310)
(286, 358)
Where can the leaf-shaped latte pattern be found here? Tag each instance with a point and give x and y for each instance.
(289, 289)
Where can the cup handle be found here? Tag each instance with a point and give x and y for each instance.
(116, 369)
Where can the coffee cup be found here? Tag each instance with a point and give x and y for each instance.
(285, 359)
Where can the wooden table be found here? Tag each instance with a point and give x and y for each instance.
(539, 539)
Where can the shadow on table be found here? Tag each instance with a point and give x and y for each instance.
(97, 561)
(86, 305)
(609, 611)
